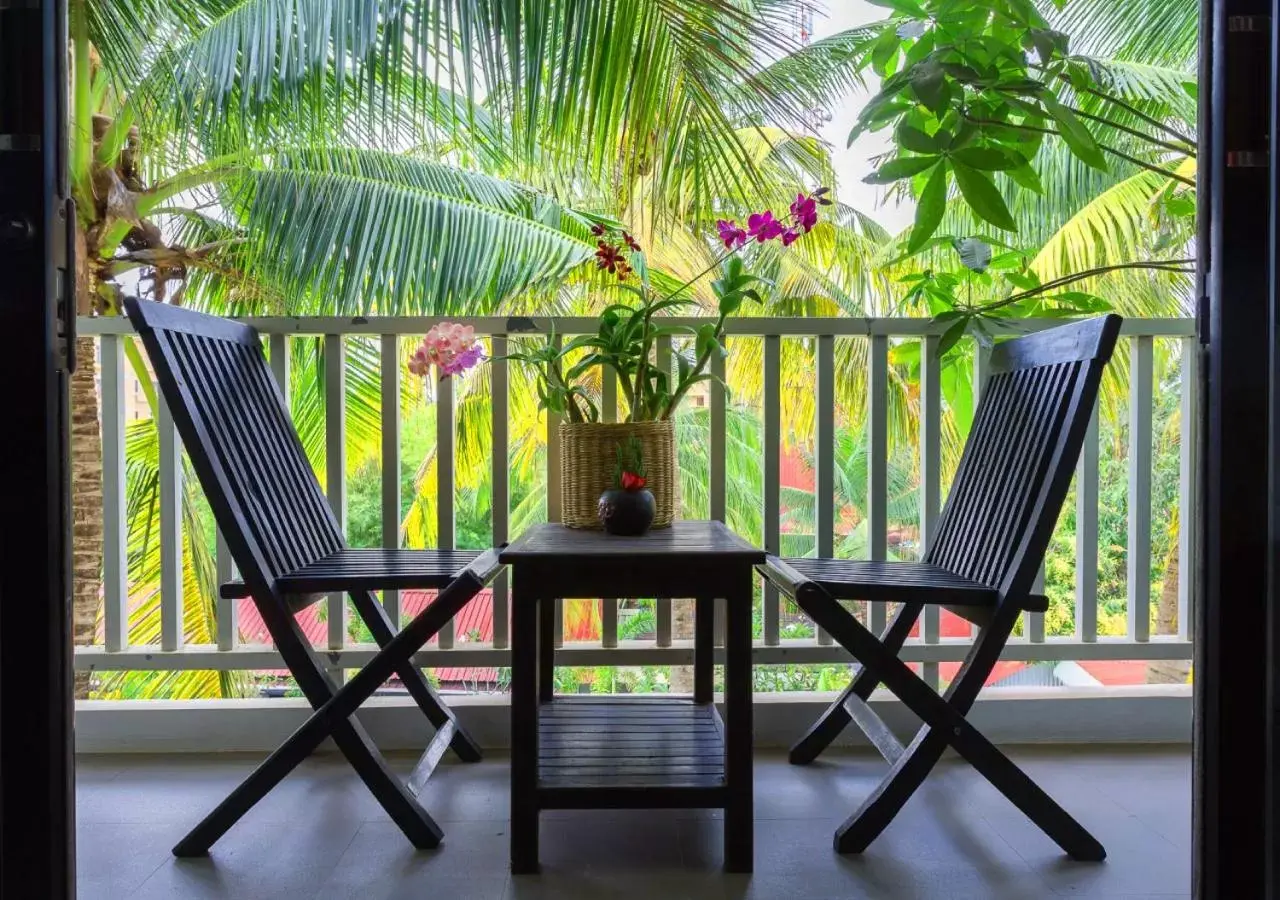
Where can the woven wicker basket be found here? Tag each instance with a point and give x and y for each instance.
(588, 460)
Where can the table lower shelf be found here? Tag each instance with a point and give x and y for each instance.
(634, 753)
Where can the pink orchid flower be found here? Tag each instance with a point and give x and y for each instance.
(450, 347)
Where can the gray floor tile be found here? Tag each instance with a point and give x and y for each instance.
(321, 836)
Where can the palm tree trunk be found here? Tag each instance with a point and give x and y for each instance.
(1168, 671)
(86, 480)
(86, 502)
(682, 623)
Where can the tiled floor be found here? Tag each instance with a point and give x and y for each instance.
(320, 836)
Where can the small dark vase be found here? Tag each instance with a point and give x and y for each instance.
(628, 513)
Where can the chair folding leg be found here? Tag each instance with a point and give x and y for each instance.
(334, 716)
(354, 743)
(436, 710)
(836, 718)
(944, 723)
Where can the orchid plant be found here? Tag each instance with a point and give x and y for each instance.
(450, 348)
(627, 336)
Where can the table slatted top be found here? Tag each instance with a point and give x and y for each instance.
(689, 541)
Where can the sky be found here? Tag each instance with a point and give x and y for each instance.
(851, 164)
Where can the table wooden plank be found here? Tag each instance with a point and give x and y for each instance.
(684, 541)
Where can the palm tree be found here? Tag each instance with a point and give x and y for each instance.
(363, 157)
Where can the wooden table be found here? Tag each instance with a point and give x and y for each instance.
(631, 753)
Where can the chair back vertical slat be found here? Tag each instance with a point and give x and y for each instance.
(240, 439)
(1016, 468)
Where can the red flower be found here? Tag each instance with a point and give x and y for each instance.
(789, 237)
(630, 242)
(598, 230)
(632, 481)
(607, 257)
(624, 269)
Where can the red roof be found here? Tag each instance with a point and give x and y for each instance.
(473, 623)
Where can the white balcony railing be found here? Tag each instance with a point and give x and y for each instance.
(929, 649)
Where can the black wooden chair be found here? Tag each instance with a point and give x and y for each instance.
(991, 539)
(288, 547)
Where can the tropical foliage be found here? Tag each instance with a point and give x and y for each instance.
(358, 157)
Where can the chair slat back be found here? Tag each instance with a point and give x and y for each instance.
(1022, 450)
(241, 441)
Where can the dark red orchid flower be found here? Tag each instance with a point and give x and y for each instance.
(607, 257)
(632, 481)
(630, 242)
(598, 229)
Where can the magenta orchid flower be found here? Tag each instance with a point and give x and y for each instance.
(733, 236)
(805, 212)
(764, 227)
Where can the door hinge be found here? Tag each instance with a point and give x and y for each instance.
(1202, 320)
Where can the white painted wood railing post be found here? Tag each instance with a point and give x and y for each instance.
(1087, 536)
(662, 605)
(878, 464)
(115, 524)
(930, 475)
(554, 512)
(446, 518)
(772, 517)
(228, 609)
(335, 467)
(716, 467)
(1139, 538)
(1188, 469)
(608, 413)
(171, 599)
(824, 481)
(390, 398)
(500, 476)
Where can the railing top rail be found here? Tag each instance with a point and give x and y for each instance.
(747, 326)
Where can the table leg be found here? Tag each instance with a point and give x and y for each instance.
(524, 727)
(739, 822)
(704, 650)
(547, 649)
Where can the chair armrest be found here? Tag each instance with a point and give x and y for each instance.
(783, 576)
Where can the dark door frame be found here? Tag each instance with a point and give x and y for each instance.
(1236, 665)
(36, 779)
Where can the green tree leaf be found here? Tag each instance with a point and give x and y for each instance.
(929, 209)
(1076, 135)
(983, 197)
(1027, 177)
(897, 169)
(989, 159)
(915, 140)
